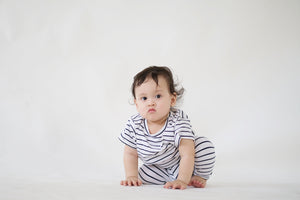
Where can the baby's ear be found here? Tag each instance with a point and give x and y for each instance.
(173, 99)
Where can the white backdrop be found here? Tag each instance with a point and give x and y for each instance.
(66, 68)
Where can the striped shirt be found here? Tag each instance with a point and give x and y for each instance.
(160, 148)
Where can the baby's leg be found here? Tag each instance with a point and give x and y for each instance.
(152, 174)
(204, 161)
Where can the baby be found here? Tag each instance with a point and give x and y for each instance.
(162, 137)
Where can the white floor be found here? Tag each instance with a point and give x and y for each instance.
(86, 190)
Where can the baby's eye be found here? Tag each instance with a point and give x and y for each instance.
(143, 98)
(158, 96)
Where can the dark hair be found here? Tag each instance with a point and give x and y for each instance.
(154, 72)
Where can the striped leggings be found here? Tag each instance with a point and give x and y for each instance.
(204, 163)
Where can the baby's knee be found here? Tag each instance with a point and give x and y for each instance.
(202, 143)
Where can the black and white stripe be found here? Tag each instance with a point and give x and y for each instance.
(204, 157)
(159, 152)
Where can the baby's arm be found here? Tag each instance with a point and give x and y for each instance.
(131, 167)
(186, 166)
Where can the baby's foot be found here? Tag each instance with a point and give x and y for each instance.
(197, 182)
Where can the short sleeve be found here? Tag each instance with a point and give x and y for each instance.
(183, 130)
(127, 136)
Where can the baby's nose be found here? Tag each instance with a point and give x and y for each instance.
(151, 101)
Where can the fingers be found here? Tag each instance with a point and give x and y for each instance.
(175, 185)
(131, 182)
(139, 182)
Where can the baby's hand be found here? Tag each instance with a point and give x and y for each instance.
(177, 184)
(131, 181)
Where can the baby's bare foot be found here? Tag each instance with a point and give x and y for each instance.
(197, 182)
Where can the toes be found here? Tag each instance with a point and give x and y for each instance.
(198, 184)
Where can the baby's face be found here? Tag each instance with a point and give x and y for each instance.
(153, 101)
